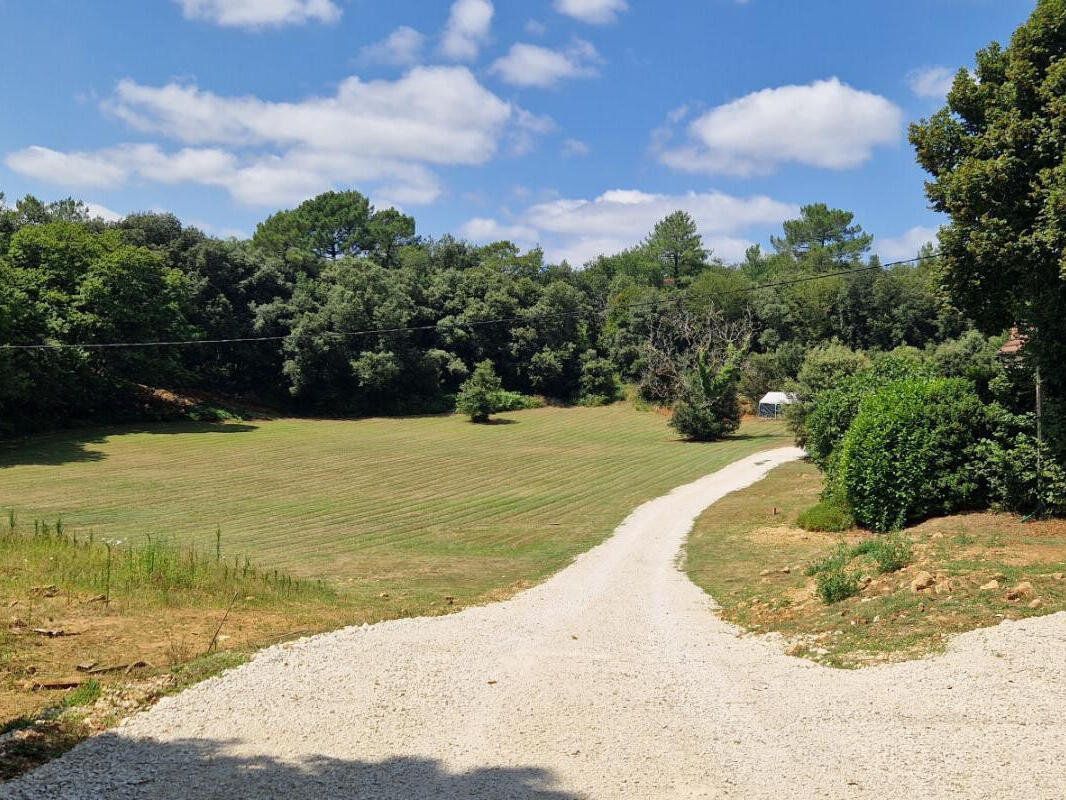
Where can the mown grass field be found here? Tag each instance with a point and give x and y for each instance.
(384, 500)
(400, 517)
(747, 552)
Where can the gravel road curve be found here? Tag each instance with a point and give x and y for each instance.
(614, 679)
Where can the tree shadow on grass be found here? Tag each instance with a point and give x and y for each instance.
(72, 446)
(112, 766)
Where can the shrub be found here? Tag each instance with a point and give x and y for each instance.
(837, 584)
(480, 395)
(910, 453)
(708, 408)
(820, 426)
(1018, 480)
(515, 401)
(825, 367)
(829, 516)
(599, 380)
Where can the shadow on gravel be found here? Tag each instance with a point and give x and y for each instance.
(109, 766)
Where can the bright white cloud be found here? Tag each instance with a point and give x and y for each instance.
(578, 230)
(70, 169)
(575, 148)
(824, 124)
(98, 211)
(383, 133)
(482, 229)
(260, 13)
(907, 245)
(468, 27)
(931, 82)
(532, 65)
(402, 47)
(594, 12)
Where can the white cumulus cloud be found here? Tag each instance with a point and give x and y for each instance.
(532, 65)
(823, 124)
(594, 12)
(402, 47)
(931, 82)
(468, 28)
(906, 245)
(384, 133)
(578, 230)
(260, 13)
(98, 211)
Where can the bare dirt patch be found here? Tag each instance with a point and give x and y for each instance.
(975, 571)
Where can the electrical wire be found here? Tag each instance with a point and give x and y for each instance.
(459, 324)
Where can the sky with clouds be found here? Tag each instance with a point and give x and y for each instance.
(572, 124)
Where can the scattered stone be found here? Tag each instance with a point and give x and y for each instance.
(865, 581)
(1059, 576)
(991, 586)
(786, 570)
(923, 580)
(1036, 603)
(877, 618)
(937, 535)
(102, 598)
(764, 573)
(1021, 590)
(46, 591)
(384, 595)
(85, 666)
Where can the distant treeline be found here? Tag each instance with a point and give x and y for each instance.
(315, 275)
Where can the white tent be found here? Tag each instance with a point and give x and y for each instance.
(773, 404)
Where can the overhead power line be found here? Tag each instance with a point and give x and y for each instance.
(459, 324)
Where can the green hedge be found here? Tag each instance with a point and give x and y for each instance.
(911, 453)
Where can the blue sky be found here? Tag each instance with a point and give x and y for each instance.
(574, 124)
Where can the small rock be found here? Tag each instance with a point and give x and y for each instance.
(384, 595)
(1020, 591)
(764, 573)
(865, 581)
(937, 535)
(786, 570)
(923, 580)
(1036, 603)
(877, 618)
(1059, 576)
(990, 586)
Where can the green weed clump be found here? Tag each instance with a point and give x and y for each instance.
(837, 584)
(890, 553)
(84, 695)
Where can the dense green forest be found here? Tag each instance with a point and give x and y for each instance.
(315, 275)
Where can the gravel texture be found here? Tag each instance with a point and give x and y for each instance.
(613, 679)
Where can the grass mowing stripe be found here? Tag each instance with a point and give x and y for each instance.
(343, 499)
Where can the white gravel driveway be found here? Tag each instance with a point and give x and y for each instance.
(613, 679)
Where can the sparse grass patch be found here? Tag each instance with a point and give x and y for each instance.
(853, 604)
